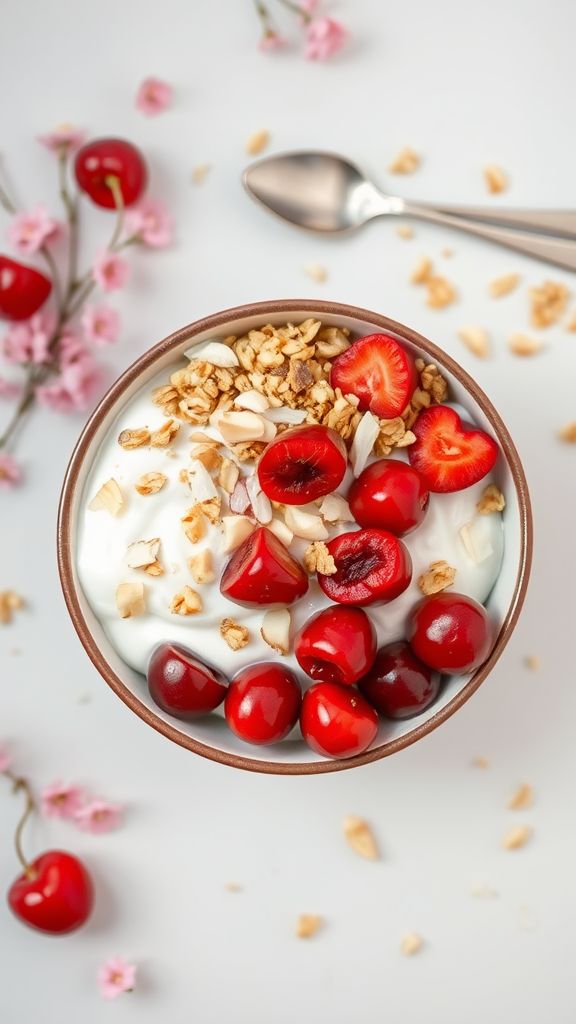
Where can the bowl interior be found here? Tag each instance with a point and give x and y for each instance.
(210, 736)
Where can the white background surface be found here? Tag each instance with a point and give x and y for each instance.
(465, 85)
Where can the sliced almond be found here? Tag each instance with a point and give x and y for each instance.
(214, 352)
(335, 509)
(186, 602)
(235, 635)
(256, 142)
(411, 944)
(202, 567)
(360, 837)
(252, 400)
(280, 530)
(501, 286)
(201, 484)
(476, 341)
(165, 434)
(150, 483)
(524, 345)
(259, 501)
(142, 553)
(129, 439)
(236, 529)
(208, 455)
(243, 425)
(305, 524)
(522, 798)
(109, 498)
(364, 440)
(492, 500)
(477, 545)
(239, 500)
(130, 600)
(495, 178)
(517, 837)
(308, 925)
(284, 414)
(275, 629)
(228, 475)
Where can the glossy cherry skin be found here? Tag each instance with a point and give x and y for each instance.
(263, 572)
(302, 464)
(183, 685)
(23, 290)
(263, 703)
(450, 632)
(337, 721)
(389, 495)
(105, 158)
(399, 685)
(57, 897)
(338, 645)
(371, 566)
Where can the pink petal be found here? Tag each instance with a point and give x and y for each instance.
(5, 760)
(153, 96)
(324, 38)
(10, 472)
(63, 139)
(61, 801)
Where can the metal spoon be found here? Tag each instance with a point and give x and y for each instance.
(326, 192)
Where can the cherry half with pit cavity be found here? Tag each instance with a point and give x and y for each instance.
(23, 290)
(399, 685)
(263, 703)
(337, 721)
(450, 632)
(371, 565)
(302, 464)
(183, 685)
(389, 495)
(338, 645)
(263, 572)
(99, 162)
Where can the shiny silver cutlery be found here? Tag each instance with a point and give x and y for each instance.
(326, 192)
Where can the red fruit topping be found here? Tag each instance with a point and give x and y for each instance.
(338, 645)
(262, 571)
(379, 371)
(450, 632)
(337, 721)
(302, 464)
(22, 290)
(450, 454)
(263, 703)
(55, 896)
(390, 495)
(371, 565)
(103, 159)
(182, 685)
(399, 685)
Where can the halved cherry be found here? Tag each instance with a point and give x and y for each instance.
(182, 684)
(391, 495)
(302, 464)
(22, 289)
(371, 565)
(337, 721)
(448, 453)
(379, 371)
(399, 685)
(450, 632)
(262, 571)
(338, 645)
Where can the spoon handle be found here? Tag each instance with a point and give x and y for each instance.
(559, 251)
(554, 222)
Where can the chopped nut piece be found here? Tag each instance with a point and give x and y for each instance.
(10, 602)
(407, 439)
(193, 524)
(422, 271)
(548, 303)
(335, 509)
(480, 762)
(134, 438)
(432, 381)
(150, 483)
(130, 600)
(516, 837)
(522, 798)
(212, 510)
(523, 345)
(186, 602)
(495, 178)
(492, 500)
(501, 286)
(199, 173)
(228, 475)
(476, 340)
(233, 887)
(316, 272)
(202, 567)
(411, 944)
(280, 530)
(441, 292)
(568, 433)
(164, 436)
(317, 558)
(142, 553)
(108, 498)
(308, 925)
(236, 529)
(252, 400)
(360, 837)
(257, 142)
(439, 576)
(235, 635)
(404, 231)
(154, 569)
(201, 484)
(405, 162)
(305, 524)
(447, 254)
(275, 629)
(532, 661)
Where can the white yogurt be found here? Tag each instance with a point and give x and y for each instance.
(103, 540)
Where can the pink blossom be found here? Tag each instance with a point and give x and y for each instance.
(110, 271)
(75, 387)
(61, 801)
(101, 324)
(324, 38)
(5, 760)
(31, 229)
(9, 388)
(150, 223)
(28, 341)
(271, 41)
(63, 139)
(98, 816)
(116, 976)
(154, 96)
(308, 8)
(10, 472)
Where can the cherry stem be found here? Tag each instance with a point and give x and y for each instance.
(296, 9)
(21, 785)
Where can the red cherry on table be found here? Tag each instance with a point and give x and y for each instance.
(337, 721)
(23, 290)
(448, 453)
(399, 685)
(262, 571)
(379, 371)
(371, 565)
(263, 703)
(302, 464)
(183, 685)
(98, 161)
(55, 896)
(389, 495)
(338, 645)
(451, 633)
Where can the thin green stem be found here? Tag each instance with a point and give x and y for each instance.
(53, 268)
(20, 785)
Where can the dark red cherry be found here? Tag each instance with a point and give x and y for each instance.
(98, 161)
(182, 684)
(399, 685)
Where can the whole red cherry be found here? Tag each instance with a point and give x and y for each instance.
(399, 685)
(450, 632)
(338, 645)
(389, 495)
(263, 703)
(337, 721)
(102, 159)
(55, 895)
(183, 685)
(23, 290)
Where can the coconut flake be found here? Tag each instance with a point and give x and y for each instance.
(236, 529)
(335, 509)
(261, 506)
(252, 400)
(237, 427)
(284, 414)
(305, 524)
(275, 629)
(364, 439)
(478, 546)
(200, 482)
(214, 352)
(239, 500)
(280, 530)
(142, 553)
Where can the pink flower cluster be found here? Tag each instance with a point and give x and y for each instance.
(10, 472)
(115, 977)
(69, 802)
(30, 230)
(323, 37)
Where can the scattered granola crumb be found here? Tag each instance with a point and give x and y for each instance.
(516, 837)
(523, 345)
(568, 433)
(532, 661)
(360, 837)
(128, 439)
(438, 577)
(492, 500)
(522, 798)
(186, 602)
(571, 325)
(199, 173)
(317, 272)
(405, 162)
(164, 436)
(10, 602)
(257, 142)
(308, 925)
(202, 567)
(150, 483)
(411, 944)
(235, 635)
(476, 340)
(405, 231)
(503, 285)
(483, 892)
(108, 498)
(480, 762)
(441, 292)
(317, 558)
(422, 271)
(233, 887)
(130, 600)
(495, 178)
(548, 303)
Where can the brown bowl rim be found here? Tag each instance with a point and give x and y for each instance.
(147, 360)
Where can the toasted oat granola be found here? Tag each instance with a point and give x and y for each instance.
(492, 500)
(405, 162)
(10, 602)
(524, 345)
(164, 436)
(150, 483)
(308, 925)
(476, 340)
(568, 433)
(495, 178)
(438, 577)
(522, 798)
(317, 558)
(134, 438)
(411, 944)
(503, 285)
(235, 635)
(360, 837)
(186, 602)
(517, 837)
